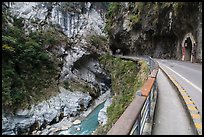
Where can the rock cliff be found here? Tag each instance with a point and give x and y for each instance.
(158, 29)
(81, 79)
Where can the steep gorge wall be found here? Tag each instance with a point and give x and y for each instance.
(79, 21)
(73, 18)
(79, 68)
(154, 28)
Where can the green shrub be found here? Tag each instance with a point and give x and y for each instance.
(126, 77)
(83, 87)
(134, 19)
(66, 84)
(113, 11)
(27, 69)
(9, 40)
(99, 41)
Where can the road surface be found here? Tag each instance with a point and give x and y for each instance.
(170, 116)
(188, 75)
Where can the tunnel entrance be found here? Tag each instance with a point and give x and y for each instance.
(120, 51)
(188, 49)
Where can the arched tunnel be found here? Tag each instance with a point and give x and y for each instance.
(189, 48)
(119, 50)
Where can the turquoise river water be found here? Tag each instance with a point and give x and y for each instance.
(88, 125)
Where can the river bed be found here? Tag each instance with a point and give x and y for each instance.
(87, 126)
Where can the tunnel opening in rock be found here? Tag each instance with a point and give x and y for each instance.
(119, 51)
(188, 48)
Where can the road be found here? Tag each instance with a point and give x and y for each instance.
(170, 117)
(188, 75)
(170, 114)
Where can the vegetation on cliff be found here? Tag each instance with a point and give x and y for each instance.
(113, 11)
(29, 70)
(126, 78)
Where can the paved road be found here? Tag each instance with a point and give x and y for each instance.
(170, 116)
(188, 75)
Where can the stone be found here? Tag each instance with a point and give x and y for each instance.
(64, 127)
(78, 129)
(38, 132)
(64, 123)
(25, 113)
(76, 122)
(67, 111)
(45, 132)
(50, 115)
(48, 126)
(8, 133)
(7, 124)
(25, 124)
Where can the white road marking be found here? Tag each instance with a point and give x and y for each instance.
(185, 79)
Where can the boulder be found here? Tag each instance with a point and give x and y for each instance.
(44, 132)
(24, 125)
(78, 129)
(50, 115)
(76, 122)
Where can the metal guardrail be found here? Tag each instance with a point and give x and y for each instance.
(133, 120)
(145, 113)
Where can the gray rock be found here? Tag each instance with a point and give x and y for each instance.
(67, 111)
(24, 124)
(74, 101)
(86, 101)
(102, 115)
(38, 133)
(7, 124)
(50, 115)
(45, 132)
(8, 133)
(70, 103)
(77, 122)
(25, 113)
(64, 123)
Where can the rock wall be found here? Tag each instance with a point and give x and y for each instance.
(65, 104)
(199, 34)
(77, 20)
(83, 67)
(154, 28)
(73, 18)
(79, 62)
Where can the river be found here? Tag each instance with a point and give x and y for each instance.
(87, 126)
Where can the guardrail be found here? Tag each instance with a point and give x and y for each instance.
(139, 114)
